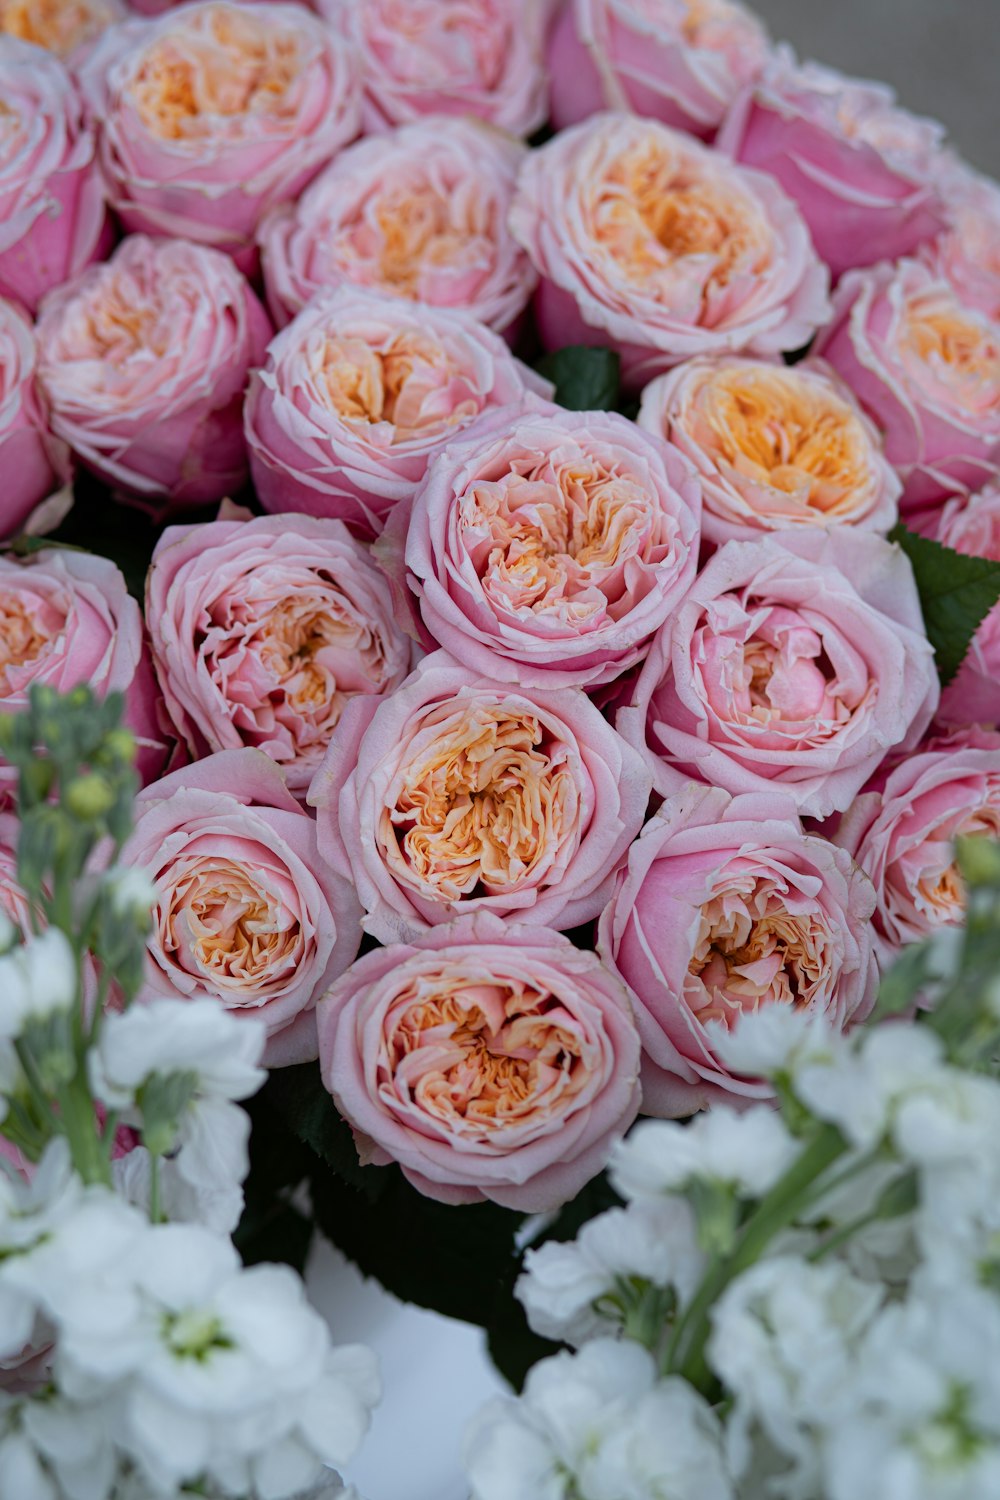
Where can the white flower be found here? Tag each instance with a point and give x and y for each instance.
(747, 1150)
(74, 1444)
(774, 1041)
(859, 1089)
(216, 1201)
(670, 1444)
(131, 892)
(31, 1214)
(177, 1036)
(37, 979)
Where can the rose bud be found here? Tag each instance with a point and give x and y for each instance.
(211, 114)
(860, 169)
(66, 619)
(547, 547)
(65, 27)
(972, 525)
(902, 833)
(263, 630)
(53, 219)
(423, 57)
(457, 795)
(927, 369)
(34, 462)
(967, 253)
(651, 242)
(775, 446)
(419, 213)
(246, 911)
(794, 664)
(680, 61)
(727, 906)
(144, 361)
(360, 392)
(488, 1060)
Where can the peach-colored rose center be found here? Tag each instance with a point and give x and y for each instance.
(938, 888)
(221, 65)
(59, 25)
(752, 951)
(485, 807)
(952, 352)
(481, 1057)
(411, 383)
(303, 642)
(223, 924)
(25, 634)
(782, 432)
(117, 322)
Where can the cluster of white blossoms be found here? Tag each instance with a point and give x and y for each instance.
(800, 1301)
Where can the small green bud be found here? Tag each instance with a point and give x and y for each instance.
(979, 860)
(119, 745)
(89, 797)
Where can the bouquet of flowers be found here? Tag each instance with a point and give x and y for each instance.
(499, 636)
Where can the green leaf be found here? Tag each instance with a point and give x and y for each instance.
(281, 1235)
(956, 595)
(299, 1100)
(585, 379)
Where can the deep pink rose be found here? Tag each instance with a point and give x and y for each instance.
(67, 618)
(652, 243)
(860, 169)
(53, 220)
(775, 446)
(680, 61)
(360, 392)
(66, 27)
(547, 547)
(727, 906)
(489, 1060)
(263, 630)
(33, 461)
(967, 253)
(902, 834)
(794, 664)
(144, 361)
(247, 913)
(456, 795)
(972, 525)
(450, 57)
(927, 369)
(419, 213)
(211, 114)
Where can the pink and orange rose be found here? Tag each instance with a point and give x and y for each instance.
(65, 27)
(34, 460)
(971, 524)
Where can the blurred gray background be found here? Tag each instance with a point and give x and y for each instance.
(941, 56)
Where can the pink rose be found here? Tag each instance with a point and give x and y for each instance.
(651, 242)
(681, 61)
(458, 795)
(211, 114)
(902, 834)
(360, 392)
(775, 446)
(967, 253)
(927, 369)
(66, 618)
(262, 632)
(33, 462)
(450, 57)
(794, 664)
(65, 27)
(144, 361)
(53, 220)
(419, 213)
(972, 525)
(246, 912)
(488, 1060)
(547, 547)
(860, 169)
(727, 906)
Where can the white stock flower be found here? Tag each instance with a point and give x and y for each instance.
(774, 1041)
(177, 1036)
(654, 1241)
(131, 892)
(859, 1088)
(36, 980)
(212, 1199)
(31, 1216)
(71, 1443)
(747, 1150)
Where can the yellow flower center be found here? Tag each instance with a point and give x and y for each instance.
(396, 384)
(947, 347)
(24, 634)
(58, 25)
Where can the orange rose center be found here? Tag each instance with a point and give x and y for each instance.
(237, 934)
(398, 384)
(951, 348)
(24, 635)
(58, 25)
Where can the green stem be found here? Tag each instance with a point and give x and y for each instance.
(155, 1215)
(90, 1157)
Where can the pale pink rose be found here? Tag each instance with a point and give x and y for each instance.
(794, 664)
(211, 114)
(420, 213)
(247, 913)
(927, 369)
(860, 169)
(450, 57)
(680, 61)
(547, 547)
(53, 219)
(967, 253)
(902, 834)
(66, 619)
(144, 360)
(727, 906)
(775, 446)
(32, 460)
(263, 630)
(972, 525)
(13, 901)
(360, 392)
(456, 795)
(650, 242)
(488, 1060)
(65, 27)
